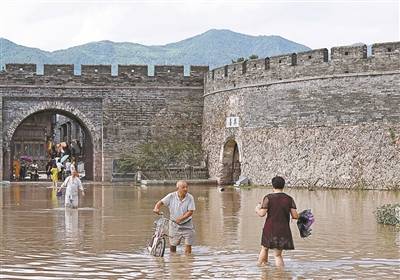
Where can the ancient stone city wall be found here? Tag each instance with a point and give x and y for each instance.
(119, 111)
(317, 119)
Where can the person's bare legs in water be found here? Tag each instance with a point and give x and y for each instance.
(263, 257)
(188, 249)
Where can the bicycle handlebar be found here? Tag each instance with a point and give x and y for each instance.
(168, 218)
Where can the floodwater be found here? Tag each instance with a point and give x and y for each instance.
(107, 236)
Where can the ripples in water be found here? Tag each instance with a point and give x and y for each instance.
(105, 238)
(204, 263)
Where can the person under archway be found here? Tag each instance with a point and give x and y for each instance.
(54, 175)
(72, 184)
(17, 169)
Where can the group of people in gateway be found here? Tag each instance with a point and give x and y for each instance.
(61, 167)
(61, 155)
(276, 234)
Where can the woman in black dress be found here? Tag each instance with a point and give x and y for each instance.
(276, 233)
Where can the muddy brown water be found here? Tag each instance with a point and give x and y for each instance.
(107, 236)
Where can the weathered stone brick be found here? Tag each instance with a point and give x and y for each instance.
(315, 121)
(118, 111)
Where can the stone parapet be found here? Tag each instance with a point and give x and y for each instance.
(315, 63)
(101, 75)
(316, 120)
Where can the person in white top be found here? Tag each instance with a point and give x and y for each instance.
(73, 184)
(181, 207)
(68, 167)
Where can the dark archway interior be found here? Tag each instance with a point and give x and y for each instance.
(230, 163)
(46, 135)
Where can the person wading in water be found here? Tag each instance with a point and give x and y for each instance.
(73, 184)
(276, 234)
(181, 207)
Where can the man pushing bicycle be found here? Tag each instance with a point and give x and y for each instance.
(181, 207)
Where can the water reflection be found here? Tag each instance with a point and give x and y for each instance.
(268, 273)
(71, 225)
(17, 194)
(55, 200)
(105, 238)
(180, 266)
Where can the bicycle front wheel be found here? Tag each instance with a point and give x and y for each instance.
(160, 247)
(150, 245)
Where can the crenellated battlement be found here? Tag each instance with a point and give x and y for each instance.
(101, 75)
(20, 68)
(314, 63)
(133, 70)
(198, 71)
(312, 57)
(55, 69)
(168, 71)
(348, 52)
(384, 49)
(96, 70)
(342, 60)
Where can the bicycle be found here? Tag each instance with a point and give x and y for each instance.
(158, 242)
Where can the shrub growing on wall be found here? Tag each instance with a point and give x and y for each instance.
(162, 155)
(388, 214)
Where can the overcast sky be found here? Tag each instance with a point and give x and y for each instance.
(59, 24)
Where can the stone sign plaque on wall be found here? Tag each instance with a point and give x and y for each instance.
(232, 122)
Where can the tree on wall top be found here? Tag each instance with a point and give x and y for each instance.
(242, 59)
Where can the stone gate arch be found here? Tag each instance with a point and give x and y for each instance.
(230, 167)
(91, 124)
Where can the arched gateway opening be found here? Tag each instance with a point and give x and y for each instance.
(230, 164)
(42, 137)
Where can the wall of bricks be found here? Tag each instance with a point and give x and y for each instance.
(311, 64)
(324, 118)
(119, 111)
(316, 121)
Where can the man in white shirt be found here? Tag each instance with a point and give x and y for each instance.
(73, 184)
(181, 207)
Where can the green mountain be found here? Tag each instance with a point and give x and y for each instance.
(214, 48)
